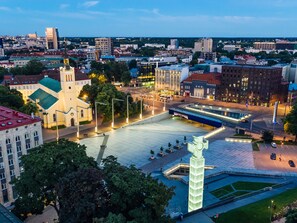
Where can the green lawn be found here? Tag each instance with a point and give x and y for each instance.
(241, 185)
(258, 212)
(222, 191)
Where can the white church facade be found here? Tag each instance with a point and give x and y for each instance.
(58, 102)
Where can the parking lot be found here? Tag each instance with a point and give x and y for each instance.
(284, 153)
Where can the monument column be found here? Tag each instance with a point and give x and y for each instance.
(196, 174)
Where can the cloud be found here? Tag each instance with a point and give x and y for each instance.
(64, 6)
(89, 4)
(4, 8)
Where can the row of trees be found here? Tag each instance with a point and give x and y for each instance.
(104, 93)
(113, 71)
(60, 174)
(13, 99)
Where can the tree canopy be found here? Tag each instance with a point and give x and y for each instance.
(267, 136)
(290, 122)
(43, 167)
(33, 67)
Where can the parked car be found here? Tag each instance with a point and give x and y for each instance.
(291, 163)
(273, 144)
(273, 156)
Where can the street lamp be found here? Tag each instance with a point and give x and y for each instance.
(153, 111)
(140, 116)
(164, 107)
(77, 114)
(112, 109)
(57, 128)
(101, 103)
(127, 119)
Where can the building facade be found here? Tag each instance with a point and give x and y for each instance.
(18, 134)
(169, 77)
(203, 45)
(104, 46)
(200, 85)
(52, 38)
(256, 85)
(264, 45)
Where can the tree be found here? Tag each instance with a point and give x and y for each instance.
(267, 136)
(290, 122)
(29, 108)
(138, 197)
(3, 71)
(33, 67)
(291, 216)
(43, 167)
(126, 77)
(132, 64)
(82, 196)
(11, 98)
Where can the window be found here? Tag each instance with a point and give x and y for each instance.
(2, 176)
(28, 145)
(35, 133)
(9, 151)
(1, 165)
(54, 118)
(10, 162)
(12, 173)
(82, 113)
(0, 152)
(18, 143)
(27, 136)
(3, 186)
(7, 141)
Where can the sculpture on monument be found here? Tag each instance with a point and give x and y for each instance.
(196, 175)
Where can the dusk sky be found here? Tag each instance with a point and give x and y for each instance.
(151, 18)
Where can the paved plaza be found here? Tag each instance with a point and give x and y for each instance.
(132, 144)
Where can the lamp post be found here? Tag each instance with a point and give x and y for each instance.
(57, 127)
(140, 116)
(101, 103)
(112, 109)
(77, 114)
(153, 111)
(127, 119)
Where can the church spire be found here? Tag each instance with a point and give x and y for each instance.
(66, 59)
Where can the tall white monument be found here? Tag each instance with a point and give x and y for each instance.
(196, 175)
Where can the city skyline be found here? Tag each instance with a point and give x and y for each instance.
(153, 18)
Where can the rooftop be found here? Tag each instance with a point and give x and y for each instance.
(177, 67)
(253, 66)
(210, 78)
(10, 118)
(50, 83)
(45, 100)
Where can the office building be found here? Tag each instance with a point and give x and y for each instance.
(169, 77)
(52, 38)
(174, 44)
(203, 45)
(201, 85)
(264, 45)
(1, 48)
(256, 85)
(18, 134)
(104, 46)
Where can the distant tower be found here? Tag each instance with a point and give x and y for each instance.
(104, 45)
(52, 38)
(1, 48)
(203, 45)
(174, 43)
(196, 175)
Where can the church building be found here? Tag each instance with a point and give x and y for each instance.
(57, 100)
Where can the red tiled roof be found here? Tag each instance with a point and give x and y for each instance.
(210, 78)
(10, 118)
(34, 79)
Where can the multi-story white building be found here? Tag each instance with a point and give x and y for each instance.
(203, 45)
(18, 134)
(104, 45)
(52, 38)
(264, 45)
(169, 77)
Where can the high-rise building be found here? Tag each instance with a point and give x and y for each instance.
(104, 46)
(52, 38)
(203, 45)
(174, 44)
(1, 48)
(1, 43)
(18, 134)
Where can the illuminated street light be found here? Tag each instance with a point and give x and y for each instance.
(101, 103)
(127, 119)
(112, 109)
